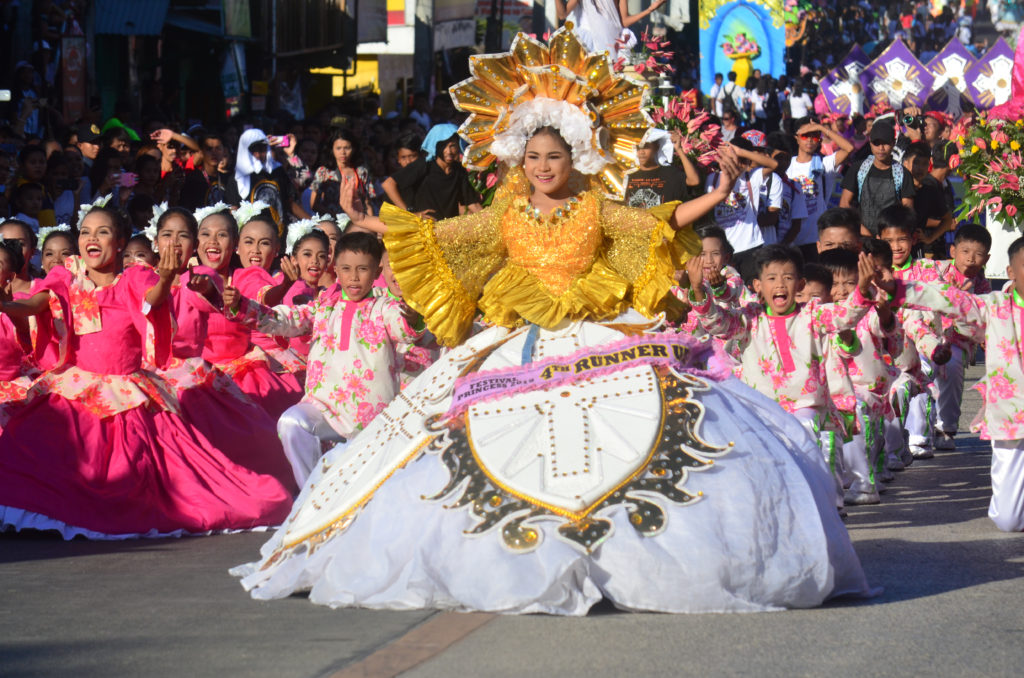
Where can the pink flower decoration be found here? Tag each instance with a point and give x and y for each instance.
(954, 161)
(1011, 210)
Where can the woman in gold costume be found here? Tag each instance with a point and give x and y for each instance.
(565, 448)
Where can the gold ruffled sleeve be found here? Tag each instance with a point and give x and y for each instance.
(646, 250)
(443, 266)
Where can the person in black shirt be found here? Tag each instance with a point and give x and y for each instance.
(206, 184)
(435, 186)
(657, 181)
(934, 218)
(878, 181)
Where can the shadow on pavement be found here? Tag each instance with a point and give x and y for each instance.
(35, 545)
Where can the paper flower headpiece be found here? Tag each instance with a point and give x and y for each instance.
(204, 212)
(247, 211)
(46, 231)
(296, 231)
(98, 202)
(151, 230)
(599, 112)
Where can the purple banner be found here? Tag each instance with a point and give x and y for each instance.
(949, 68)
(844, 88)
(898, 79)
(989, 81)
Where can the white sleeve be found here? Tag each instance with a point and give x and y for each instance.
(775, 192)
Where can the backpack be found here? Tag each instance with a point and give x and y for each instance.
(862, 174)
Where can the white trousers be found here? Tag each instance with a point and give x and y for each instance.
(303, 430)
(1007, 506)
(921, 420)
(829, 443)
(860, 475)
(949, 379)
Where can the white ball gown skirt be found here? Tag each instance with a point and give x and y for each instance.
(647, 482)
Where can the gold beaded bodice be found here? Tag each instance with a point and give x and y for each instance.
(556, 248)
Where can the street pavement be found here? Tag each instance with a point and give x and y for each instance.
(953, 604)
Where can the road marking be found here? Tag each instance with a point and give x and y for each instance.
(417, 646)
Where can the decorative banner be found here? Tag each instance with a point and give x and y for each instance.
(846, 86)
(989, 81)
(678, 351)
(741, 36)
(73, 77)
(898, 79)
(950, 67)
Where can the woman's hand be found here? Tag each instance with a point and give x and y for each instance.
(729, 166)
(289, 268)
(200, 284)
(169, 264)
(232, 298)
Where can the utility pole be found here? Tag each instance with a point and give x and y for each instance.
(423, 60)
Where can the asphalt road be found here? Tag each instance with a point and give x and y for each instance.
(953, 604)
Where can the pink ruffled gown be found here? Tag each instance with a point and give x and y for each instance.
(16, 372)
(100, 447)
(210, 400)
(241, 353)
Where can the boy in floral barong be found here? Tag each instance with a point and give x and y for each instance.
(353, 368)
(996, 318)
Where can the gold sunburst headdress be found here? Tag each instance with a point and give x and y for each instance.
(600, 113)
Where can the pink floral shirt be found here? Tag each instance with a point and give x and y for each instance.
(869, 364)
(929, 270)
(996, 318)
(784, 356)
(354, 361)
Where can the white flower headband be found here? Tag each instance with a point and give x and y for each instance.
(151, 230)
(46, 231)
(204, 212)
(98, 202)
(247, 211)
(317, 218)
(572, 123)
(297, 231)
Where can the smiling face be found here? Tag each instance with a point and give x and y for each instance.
(778, 285)
(311, 258)
(100, 243)
(58, 247)
(174, 232)
(356, 272)
(716, 257)
(969, 257)
(901, 244)
(257, 244)
(547, 164)
(217, 240)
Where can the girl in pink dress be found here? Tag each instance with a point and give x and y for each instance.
(211, 401)
(230, 345)
(258, 247)
(16, 372)
(100, 447)
(309, 247)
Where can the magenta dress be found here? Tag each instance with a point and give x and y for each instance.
(243, 355)
(16, 371)
(210, 400)
(100, 447)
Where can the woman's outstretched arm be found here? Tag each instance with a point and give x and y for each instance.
(692, 210)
